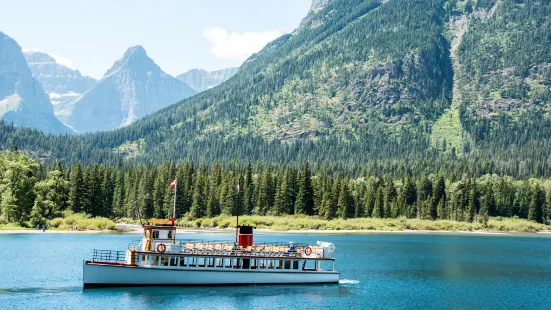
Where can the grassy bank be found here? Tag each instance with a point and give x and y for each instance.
(285, 223)
(78, 221)
(81, 221)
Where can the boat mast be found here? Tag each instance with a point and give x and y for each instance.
(174, 209)
(237, 225)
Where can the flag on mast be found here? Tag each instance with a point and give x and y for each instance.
(173, 183)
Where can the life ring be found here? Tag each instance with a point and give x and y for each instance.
(308, 250)
(161, 248)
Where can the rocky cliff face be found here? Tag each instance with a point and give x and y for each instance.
(201, 80)
(134, 87)
(22, 98)
(62, 84)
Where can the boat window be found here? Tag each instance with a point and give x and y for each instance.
(174, 261)
(270, 264)
(170, 234)
(279, 264)
(227, 262)
(254, 263)
(210, 262)
(164, 260)
(219, 262)
(192, 261)
(155, 234)
(295, 264)
(286, 264)
(310, 265)
(246, 263)
(154, 260)
(201, 262)
(144, 259)
(146, 233)
(182, 261)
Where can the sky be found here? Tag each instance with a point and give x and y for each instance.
(178, 35)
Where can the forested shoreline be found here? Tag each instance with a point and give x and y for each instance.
(32, 193)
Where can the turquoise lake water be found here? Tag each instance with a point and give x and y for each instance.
(384, 271)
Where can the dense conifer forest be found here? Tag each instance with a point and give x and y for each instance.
(32, 193)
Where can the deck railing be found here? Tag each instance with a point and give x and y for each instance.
(108, 256)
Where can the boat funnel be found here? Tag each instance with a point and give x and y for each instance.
(245, 236)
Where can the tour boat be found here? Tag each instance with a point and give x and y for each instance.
(160, 259)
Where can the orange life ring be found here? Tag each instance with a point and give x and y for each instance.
(308, 250)
(161, 248)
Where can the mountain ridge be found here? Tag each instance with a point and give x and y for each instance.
(201, 80)
(22, 98)
(133, 87)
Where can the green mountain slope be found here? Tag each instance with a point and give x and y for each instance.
(393, 85)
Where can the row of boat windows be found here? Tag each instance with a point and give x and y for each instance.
(222, 262)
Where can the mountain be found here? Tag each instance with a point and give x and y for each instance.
(134, 87)
(389, 87)
(23, 101)
(201, 80)
(62, 84)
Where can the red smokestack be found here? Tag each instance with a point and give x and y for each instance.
(245, 236)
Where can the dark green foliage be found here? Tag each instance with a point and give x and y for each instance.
(305, 197)
(537, 205)
(143, 191)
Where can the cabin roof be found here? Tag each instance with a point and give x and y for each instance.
(159, 227)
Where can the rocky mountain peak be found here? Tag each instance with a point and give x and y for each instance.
(135, 58)
(317, 5)
(11, 56)
(134, 87)
(34, 57)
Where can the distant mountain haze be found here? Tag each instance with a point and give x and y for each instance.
(23, 100)
(134, 87)
(201, 80)
(62, 84)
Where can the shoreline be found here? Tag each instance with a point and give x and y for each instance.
(136, 229)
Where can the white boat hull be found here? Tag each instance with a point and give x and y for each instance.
(98, 275)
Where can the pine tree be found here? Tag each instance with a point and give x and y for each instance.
(333, 199)
(389, 198)
(305, 197)
(345, 207)
(264, 199)
(370, 197)
(378, 209)
(537, 204)
(118, 195)
(409, 196)
(471, 209)
(198, 207)
(77, 189)
(283, 203)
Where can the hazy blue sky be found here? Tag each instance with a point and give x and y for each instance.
(178, 35)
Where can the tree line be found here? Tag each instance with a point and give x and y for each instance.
(32, 193)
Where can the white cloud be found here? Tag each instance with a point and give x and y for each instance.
(235, 45)
(63, 60)
(58, 59)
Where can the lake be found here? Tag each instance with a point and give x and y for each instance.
(385, 271)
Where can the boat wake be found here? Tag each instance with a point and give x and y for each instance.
(348, 281)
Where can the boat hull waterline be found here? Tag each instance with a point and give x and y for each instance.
(100, 275)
